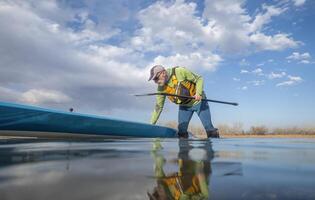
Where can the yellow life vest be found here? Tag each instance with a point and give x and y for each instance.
(185, 87)
(176, 188)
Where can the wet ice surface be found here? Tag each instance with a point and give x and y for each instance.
(165, 169)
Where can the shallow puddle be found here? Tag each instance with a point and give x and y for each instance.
(158, 169)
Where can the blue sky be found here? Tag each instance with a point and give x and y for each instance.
(92, 55)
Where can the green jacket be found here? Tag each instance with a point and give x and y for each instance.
(181, 74)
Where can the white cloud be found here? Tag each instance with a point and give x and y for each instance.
(244, 62)
(274, 75)
(40, 96)
(276, 42)
(191, 61)
(299, 2)
(244, 71)
(169, 27)
(225, 25)
(244, 88)
(236, 79)
(300, 57)
(265, 18)
(237, 30)
(258, 71)
(52, 51)
(260, 64)
(256, 82)
(229, 24)
(38, 52)
(293, 80)
(305, 61)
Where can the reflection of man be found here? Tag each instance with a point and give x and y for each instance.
(192, 179)
(180, 81)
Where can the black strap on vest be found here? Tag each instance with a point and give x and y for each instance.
(173, 71)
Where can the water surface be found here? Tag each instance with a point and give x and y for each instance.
(158, 169)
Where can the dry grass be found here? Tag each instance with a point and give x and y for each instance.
(237, 130)
(258, 130)
(268, 136)
(197, 131)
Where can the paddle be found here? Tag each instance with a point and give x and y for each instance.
(188, 97)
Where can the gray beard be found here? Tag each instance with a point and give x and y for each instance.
(165, 81)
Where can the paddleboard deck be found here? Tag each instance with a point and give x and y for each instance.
(31, 121)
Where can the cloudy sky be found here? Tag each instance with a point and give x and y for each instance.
(92, 55)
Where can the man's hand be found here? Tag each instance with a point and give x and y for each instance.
(197, 97)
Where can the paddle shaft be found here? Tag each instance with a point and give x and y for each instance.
(188, 97)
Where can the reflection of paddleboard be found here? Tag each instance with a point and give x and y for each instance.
(23, 120)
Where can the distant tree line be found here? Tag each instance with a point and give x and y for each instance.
(238, 129)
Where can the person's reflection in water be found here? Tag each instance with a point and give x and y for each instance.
(194, 169)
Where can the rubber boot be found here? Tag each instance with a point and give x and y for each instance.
(183, 135)
(213, 133)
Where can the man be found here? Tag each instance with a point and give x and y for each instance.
(192, 178)
(180, 81)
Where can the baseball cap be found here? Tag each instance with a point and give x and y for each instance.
(155, 70)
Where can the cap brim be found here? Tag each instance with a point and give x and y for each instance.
(152, 77)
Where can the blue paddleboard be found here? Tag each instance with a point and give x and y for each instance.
(24, 120)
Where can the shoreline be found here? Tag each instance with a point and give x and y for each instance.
(268, 136)
(197, 136)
